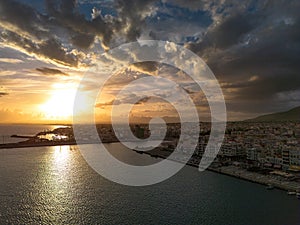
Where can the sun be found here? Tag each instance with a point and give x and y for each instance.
(60, 104)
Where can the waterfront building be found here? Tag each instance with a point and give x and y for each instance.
(232, 150)
(290, 158)
(252, 154)
(294, 156)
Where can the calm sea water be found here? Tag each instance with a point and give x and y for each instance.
(29, 130)
(54, 185)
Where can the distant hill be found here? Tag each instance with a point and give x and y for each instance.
(291, 115)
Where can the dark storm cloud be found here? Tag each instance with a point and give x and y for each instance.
(50, 49)
(227, 33)
(3, 94)
(22, 18)
(49, 35)
(146, 67)
(191, 4)
(65, 14)
(273, 57)
(50, 71)
(259, 42)
(83, 41)
(133, 14)
(29, 31)
(143, 100)
(230, 26)
(128, 24)
(130, 99)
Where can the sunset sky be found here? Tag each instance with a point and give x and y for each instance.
(46, 47)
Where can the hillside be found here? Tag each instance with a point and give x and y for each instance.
(291, 115)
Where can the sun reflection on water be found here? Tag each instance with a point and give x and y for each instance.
(54, 189)
(61, 155)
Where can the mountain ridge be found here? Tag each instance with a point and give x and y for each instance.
(290, 115)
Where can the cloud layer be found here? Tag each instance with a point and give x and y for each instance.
(50, 71)
(252, 46)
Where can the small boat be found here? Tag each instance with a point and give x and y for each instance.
(298, 195)
(270, 187)
(291, 193)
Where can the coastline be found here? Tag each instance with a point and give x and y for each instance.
(33, 145)
(239, 173)
(231, 171)
(265, 180)
(45, 144)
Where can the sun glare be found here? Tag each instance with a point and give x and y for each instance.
(60, 104)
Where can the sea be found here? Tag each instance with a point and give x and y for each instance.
(55, 185)
(6, 131)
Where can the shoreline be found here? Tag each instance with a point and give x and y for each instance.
(238, 173)
(33, 145)
(252, 177)
(231, 171)
(46, 144)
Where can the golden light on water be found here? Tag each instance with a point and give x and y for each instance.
(61, 154)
